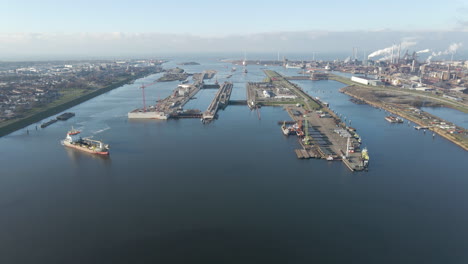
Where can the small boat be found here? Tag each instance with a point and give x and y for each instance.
(73, 132)
(393, 119)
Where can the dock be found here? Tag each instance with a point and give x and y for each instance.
(171, 106)
(320, 132)
(221, 100)
(328, 139)
(208, 74)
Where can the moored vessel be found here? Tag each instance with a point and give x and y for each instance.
(393, 119)
(65, 116)
(48, 123)
(287, 130)
(365, 157)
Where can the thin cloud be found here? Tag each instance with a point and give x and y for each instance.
(152, 43)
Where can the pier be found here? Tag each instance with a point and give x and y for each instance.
(171, 106)
(327, 138)
(320, 132)
(181, 95)
(199, 77)
(221, 100)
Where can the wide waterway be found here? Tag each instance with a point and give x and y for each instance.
(232, 191)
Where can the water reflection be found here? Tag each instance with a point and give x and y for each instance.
(77, 157)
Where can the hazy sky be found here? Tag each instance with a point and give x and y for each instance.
(148, 26)
(211, 18)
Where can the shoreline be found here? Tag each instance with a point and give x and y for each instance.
(31, 119)
(443, 103)
(440, 132)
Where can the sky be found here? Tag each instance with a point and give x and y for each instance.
(49, 26)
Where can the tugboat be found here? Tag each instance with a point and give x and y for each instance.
(72, 140)
(73, 132)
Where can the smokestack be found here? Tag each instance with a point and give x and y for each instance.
(399, 53)
(365, 62)
(391, 56)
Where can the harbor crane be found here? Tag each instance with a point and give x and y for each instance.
(142, 87)
(307, 138)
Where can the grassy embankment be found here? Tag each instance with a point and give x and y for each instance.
(68, 98)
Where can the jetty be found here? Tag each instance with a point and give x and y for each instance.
(221, 100)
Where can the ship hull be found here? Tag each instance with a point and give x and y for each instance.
(147, 115)
(67, 144)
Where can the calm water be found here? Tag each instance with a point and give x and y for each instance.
(228, 192)
(451, 115)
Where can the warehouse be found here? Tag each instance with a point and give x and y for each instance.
(366, 81)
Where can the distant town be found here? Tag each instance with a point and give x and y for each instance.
(27, 87)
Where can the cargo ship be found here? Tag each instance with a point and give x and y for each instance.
(393, 119)
(73, 140)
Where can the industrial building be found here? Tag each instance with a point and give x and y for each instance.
(366, 81)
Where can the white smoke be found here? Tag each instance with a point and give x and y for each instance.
(423, 51)
(429, 59)
(452, 49)
(387, 51)
(386, 58)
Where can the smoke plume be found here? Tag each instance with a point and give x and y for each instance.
(423, 51)
(387, 51)
(452, 49)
